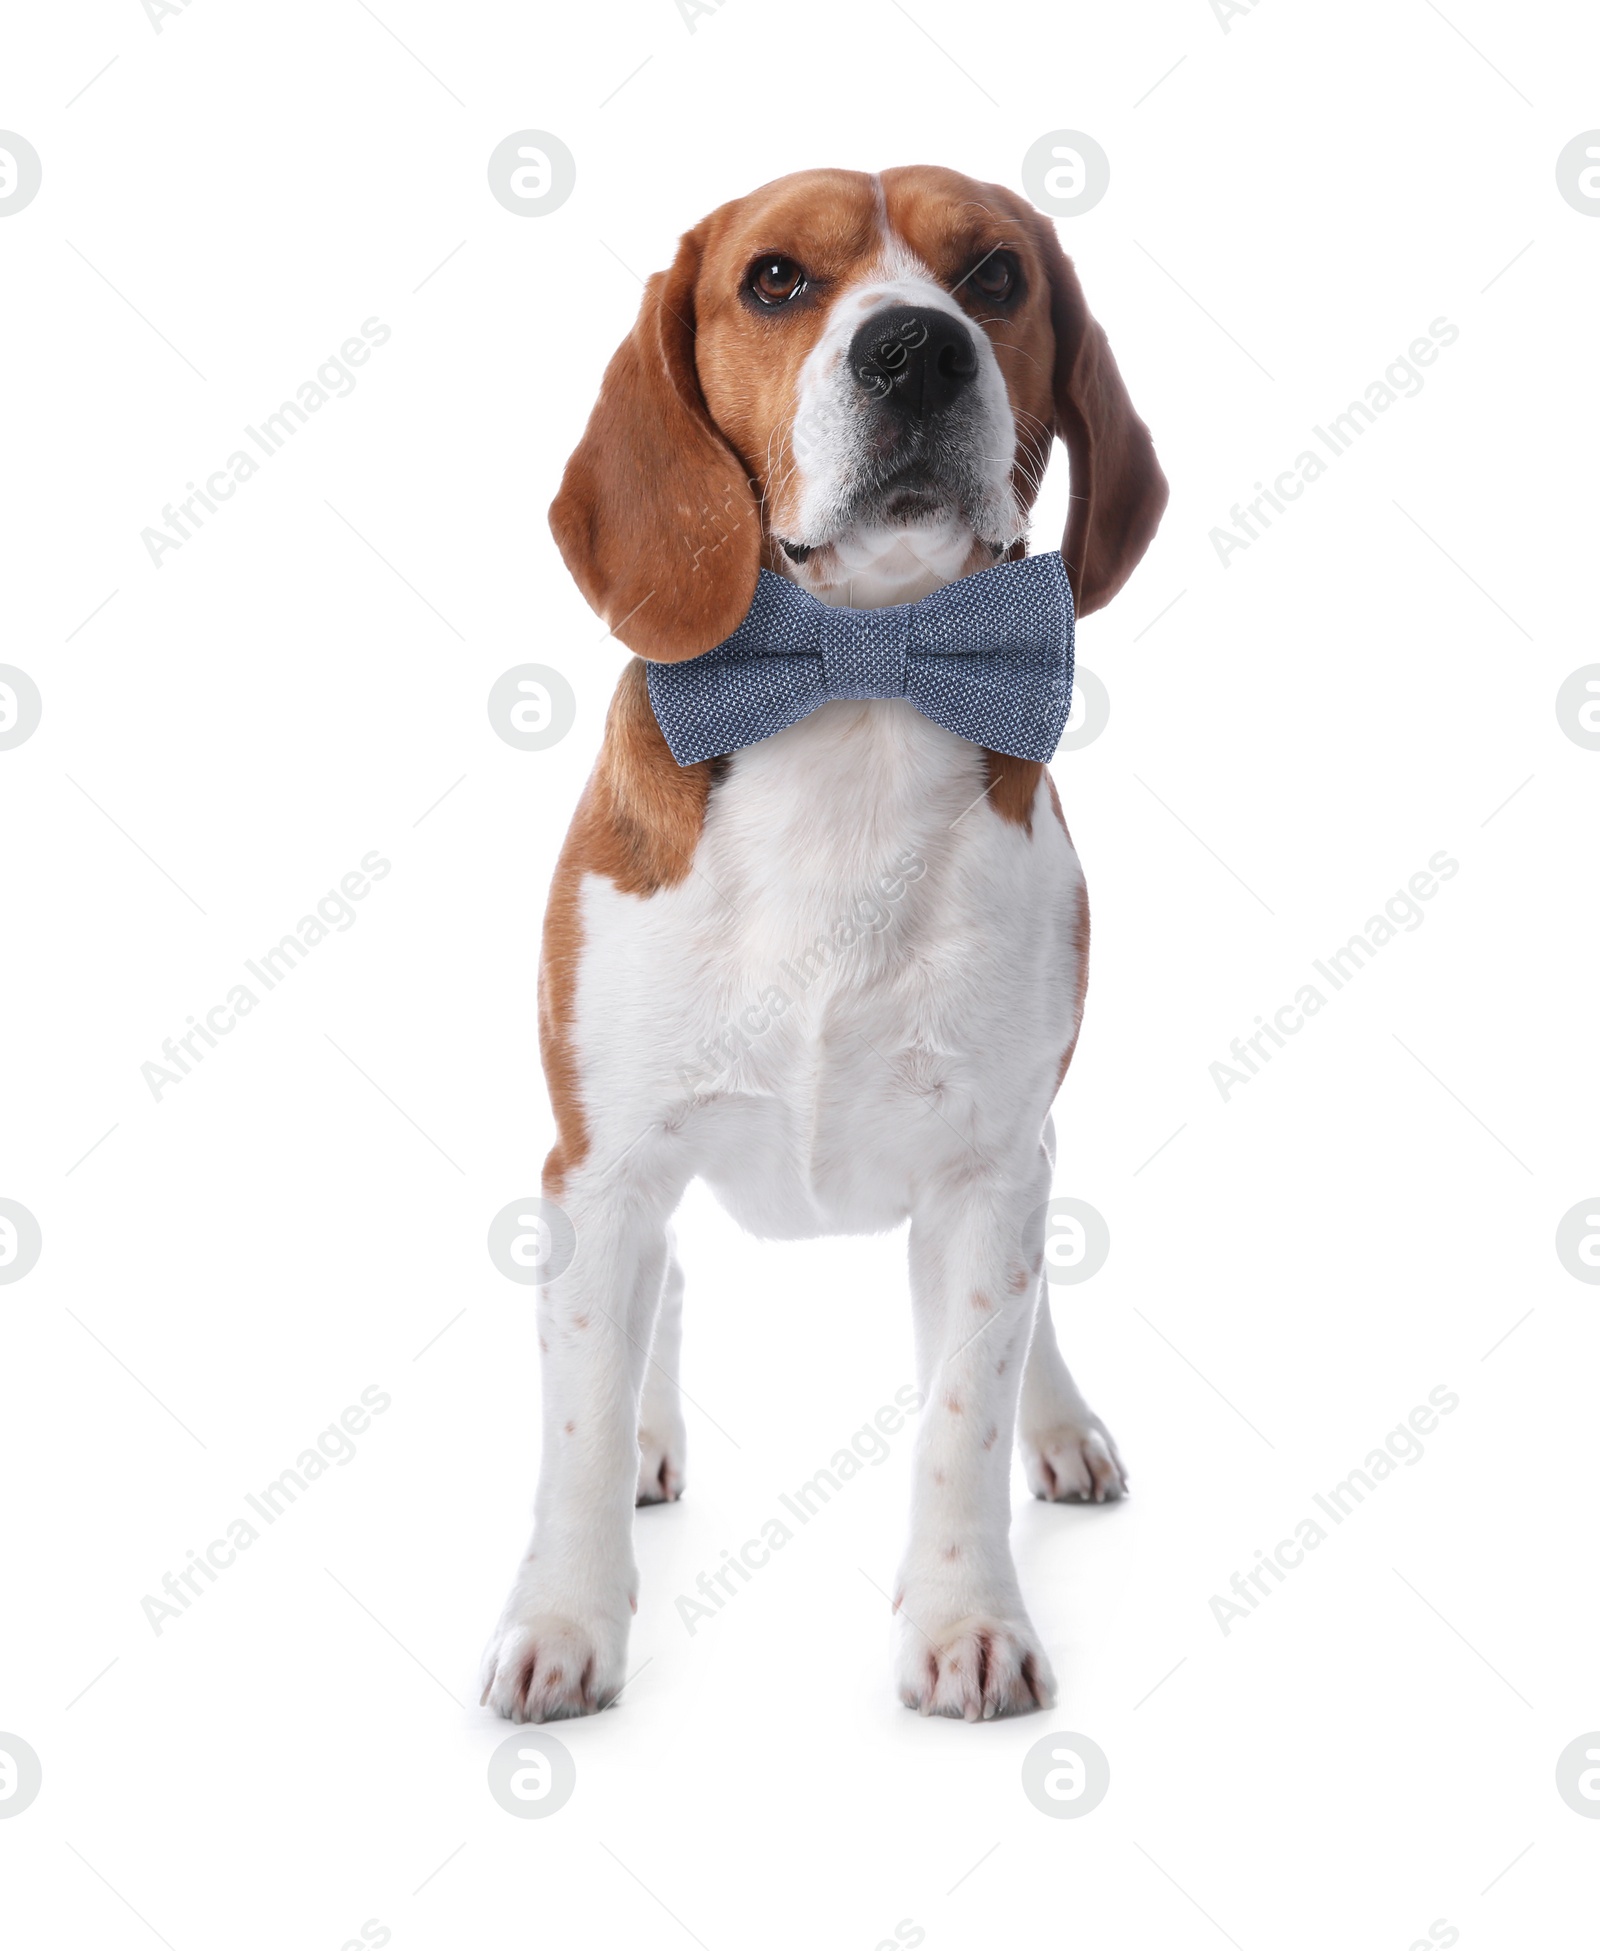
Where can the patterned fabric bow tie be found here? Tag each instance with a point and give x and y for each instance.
(989, 658)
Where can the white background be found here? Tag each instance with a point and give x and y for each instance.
(305, 1216)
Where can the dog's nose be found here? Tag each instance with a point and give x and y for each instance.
(913, 359)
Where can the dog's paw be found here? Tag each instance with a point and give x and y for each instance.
(1073, 1462)
(543, 1667)
(661, 1465)
(975, 1669)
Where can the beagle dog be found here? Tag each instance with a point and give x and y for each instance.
(838, 974)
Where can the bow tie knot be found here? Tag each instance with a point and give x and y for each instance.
(988, 658)
(864, 651)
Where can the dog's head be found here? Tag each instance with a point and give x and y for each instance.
(853, 380)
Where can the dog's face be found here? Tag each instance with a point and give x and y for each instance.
(874, 352)
(854, 380)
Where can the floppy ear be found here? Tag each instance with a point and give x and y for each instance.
(1118, 489)
(655, 518)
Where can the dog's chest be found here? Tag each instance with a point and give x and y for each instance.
(867, 974)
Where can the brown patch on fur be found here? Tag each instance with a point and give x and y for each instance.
(570, 1427)
(1018, 1280)
(1013, 785)
(638, 823)
(953, 1404)
(989, 1440)
(952, 1553)
(982, 1300)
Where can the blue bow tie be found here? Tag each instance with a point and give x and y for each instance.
(989, 658)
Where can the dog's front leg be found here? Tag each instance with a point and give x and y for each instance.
(559, 1648)
(968, 1648)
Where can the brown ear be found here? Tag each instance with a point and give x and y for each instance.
(655, 517)
(1118, 489)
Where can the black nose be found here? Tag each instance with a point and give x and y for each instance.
(913, 359)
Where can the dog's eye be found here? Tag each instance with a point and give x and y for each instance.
(995, 277)
(775, 280)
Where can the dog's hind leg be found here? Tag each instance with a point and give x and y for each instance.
(1068, 1454)
(662, 1437)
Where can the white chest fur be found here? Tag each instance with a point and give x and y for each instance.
(867, 972)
